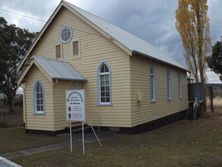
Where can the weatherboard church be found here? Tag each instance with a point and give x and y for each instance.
(128, 83)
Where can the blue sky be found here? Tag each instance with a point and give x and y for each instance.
(152, 20)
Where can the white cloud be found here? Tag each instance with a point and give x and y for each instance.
(152, 20)
(212, 77)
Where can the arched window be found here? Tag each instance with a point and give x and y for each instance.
(179, 86)
(104, 85)
(38, 99)
(152, 84)
(169, 85)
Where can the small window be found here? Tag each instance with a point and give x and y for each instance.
(38, 99)
(58, 52)
(152, 85)
(179, 86)
(169, 87)
(104, 82)
(75, 46)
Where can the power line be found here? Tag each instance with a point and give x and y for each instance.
(19, 14)
(43, 21)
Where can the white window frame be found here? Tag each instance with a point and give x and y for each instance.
(169, 85)
(152, 84)
(99, 102)
(71, 35)
(180, 94)
(35, 111)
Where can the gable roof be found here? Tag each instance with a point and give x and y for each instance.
(126, 41)
(130, 41)
(54, 69)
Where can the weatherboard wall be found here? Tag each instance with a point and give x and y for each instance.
(146, 110)
(33, 121)
(59, 96)
(129, 77)
(94, 49)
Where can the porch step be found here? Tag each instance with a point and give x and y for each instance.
(80, 129)
(77, 127)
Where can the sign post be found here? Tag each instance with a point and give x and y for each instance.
(75, 111)
(83, 139)
(70, 134)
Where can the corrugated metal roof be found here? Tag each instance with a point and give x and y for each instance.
(130, 41)
(58, 69)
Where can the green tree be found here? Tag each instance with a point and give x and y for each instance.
(215, 60)
(14, 43)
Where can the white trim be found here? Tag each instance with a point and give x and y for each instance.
(152, 76)
(41, 33)
(63, 3)
(24, 73)
(180, 92)
(60, 34)
(27, 70)
(68, 6)
(35, 112)
(169, 85)
(98, 74)
(9, 162)
(108, 36)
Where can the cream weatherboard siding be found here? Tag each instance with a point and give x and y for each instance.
(59, 91)
(146, 111)
(129, 77)
(38, 122)
(59, 95)
(94, 49)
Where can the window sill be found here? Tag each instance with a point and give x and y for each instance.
(104, 104)
(59, 59)
(153, 101)
(38, 113)
(76, 56)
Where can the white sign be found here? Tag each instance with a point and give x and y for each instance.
(75, 105)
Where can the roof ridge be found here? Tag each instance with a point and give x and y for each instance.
(82, 9)
(145, 48)
(125, 40)
(107, 21)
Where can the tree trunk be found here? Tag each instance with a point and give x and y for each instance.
(11, 105)
(204, 100)
(200, 53)
(211, 99)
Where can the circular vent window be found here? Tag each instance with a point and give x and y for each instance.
(66, 34)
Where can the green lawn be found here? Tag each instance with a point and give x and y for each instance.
(182, 144)
(13, 139)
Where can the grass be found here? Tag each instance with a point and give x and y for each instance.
(13, 139)
(182, 144)
(217, 103)
(10, 119)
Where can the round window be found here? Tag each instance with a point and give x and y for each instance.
(66, 34)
